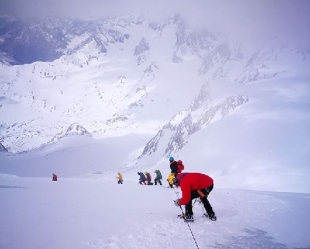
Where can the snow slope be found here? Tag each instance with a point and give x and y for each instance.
(96, 213)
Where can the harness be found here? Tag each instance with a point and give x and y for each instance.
(202, 195)
(208, 190)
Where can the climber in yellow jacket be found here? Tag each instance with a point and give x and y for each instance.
(120, 178)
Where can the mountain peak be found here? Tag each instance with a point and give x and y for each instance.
(74, 129)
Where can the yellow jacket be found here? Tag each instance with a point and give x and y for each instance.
(170, 178)
(119, 177)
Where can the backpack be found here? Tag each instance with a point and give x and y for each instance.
(158, 174)
(180, 166)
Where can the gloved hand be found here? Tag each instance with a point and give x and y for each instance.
(176, 202)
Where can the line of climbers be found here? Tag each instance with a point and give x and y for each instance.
(193, 185)
(176, 167)
(146, 178)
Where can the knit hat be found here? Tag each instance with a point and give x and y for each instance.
(171, 159)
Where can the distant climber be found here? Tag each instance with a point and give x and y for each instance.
(173, 168)
(54, 177)
(142, 178)
(120, 178)
(148, 178)
(158, 177)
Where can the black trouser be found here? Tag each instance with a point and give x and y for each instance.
(204, 200)
(157, 180)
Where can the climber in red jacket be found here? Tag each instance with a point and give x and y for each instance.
(54, 177)
(194, 185)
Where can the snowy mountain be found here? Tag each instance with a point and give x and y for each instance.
(174, 89)
(2, 148)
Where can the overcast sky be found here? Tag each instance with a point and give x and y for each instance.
(266, 18)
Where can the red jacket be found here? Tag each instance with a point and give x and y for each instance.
(54, 177)
(148, 177)
(192, 181)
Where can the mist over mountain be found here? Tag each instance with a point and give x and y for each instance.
(173, 88)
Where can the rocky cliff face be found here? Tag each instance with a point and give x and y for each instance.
(2, 148)
(73, 130)
(48, 40)
(186, 123)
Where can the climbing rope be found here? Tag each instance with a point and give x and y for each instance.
(189, 227)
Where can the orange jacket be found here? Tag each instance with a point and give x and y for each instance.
(119, 177)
